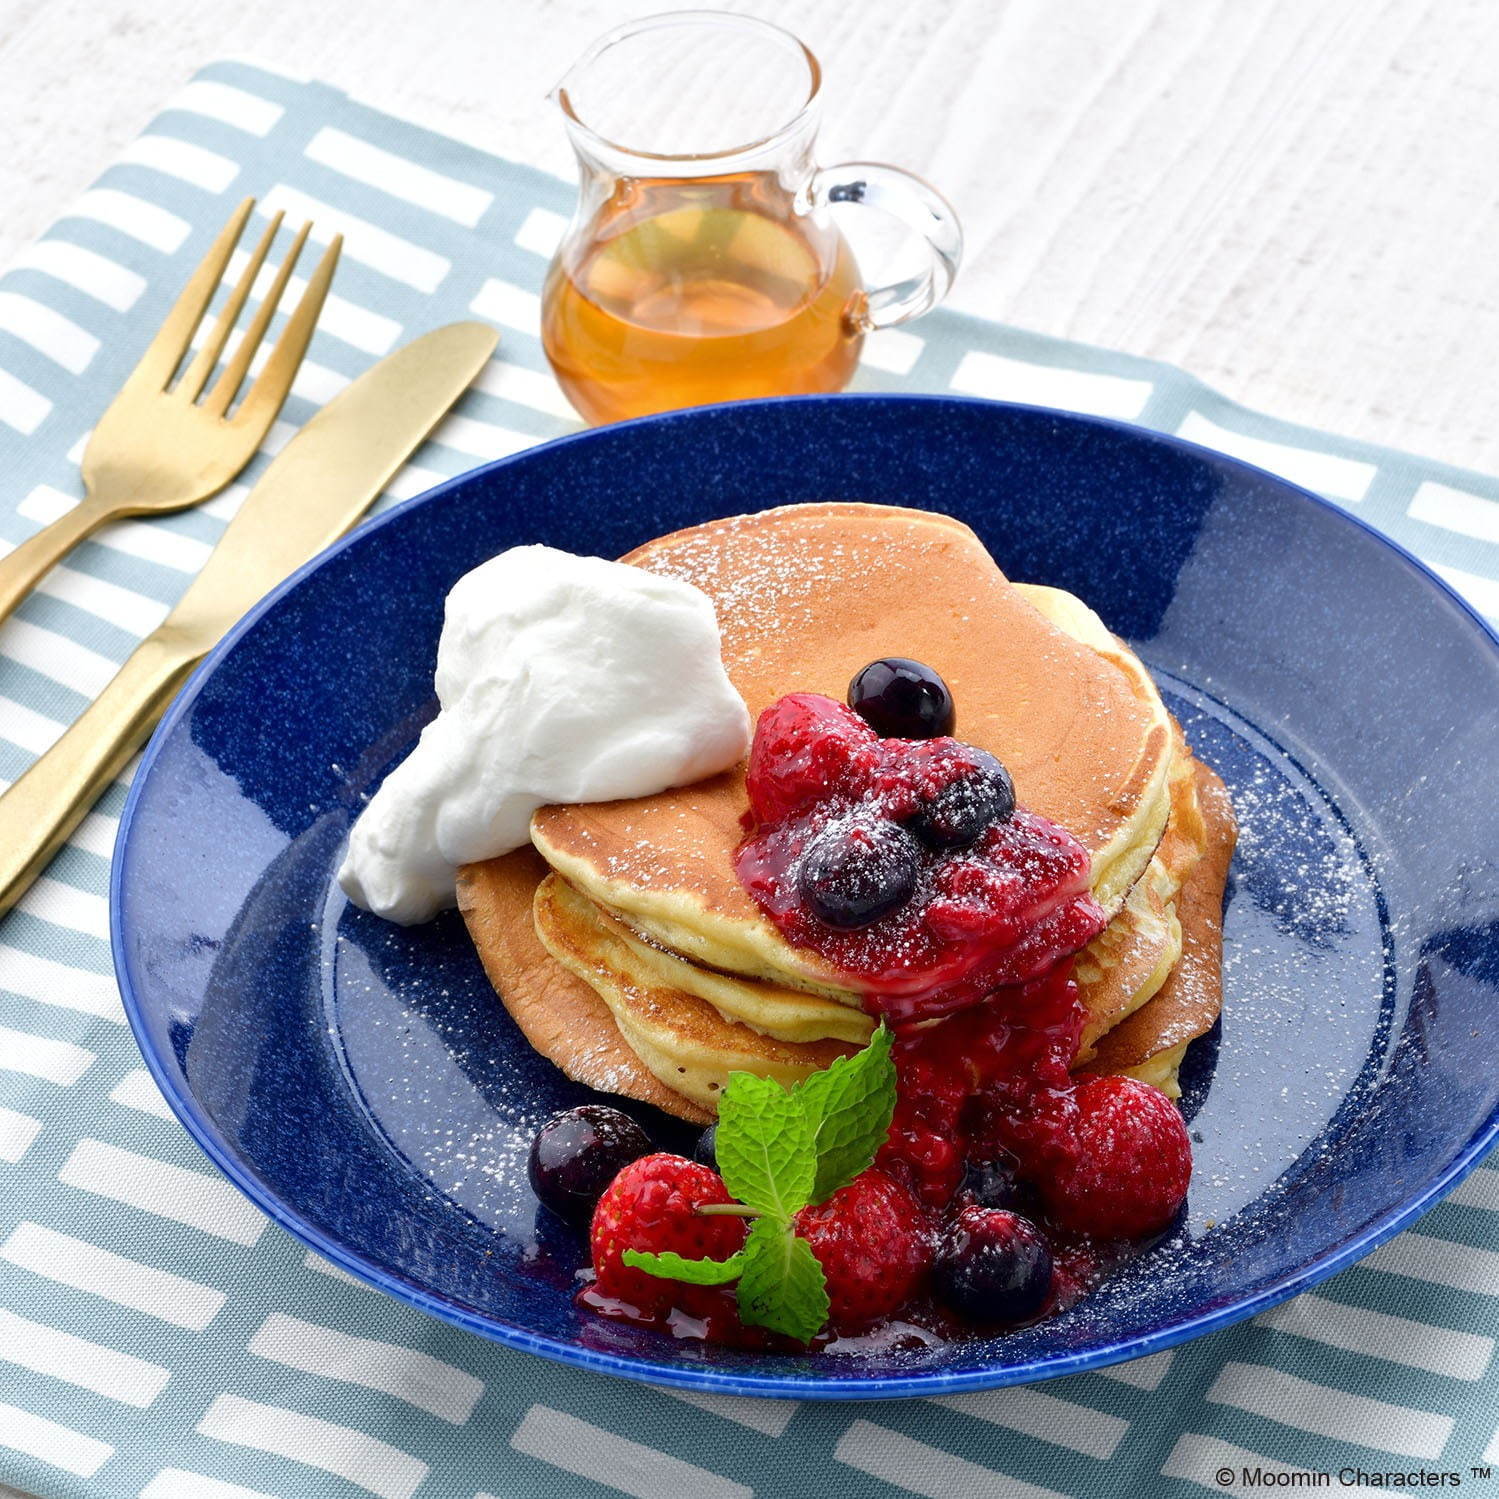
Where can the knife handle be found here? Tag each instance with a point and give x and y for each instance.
(39, 811)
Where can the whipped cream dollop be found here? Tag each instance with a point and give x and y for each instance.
(559, 679)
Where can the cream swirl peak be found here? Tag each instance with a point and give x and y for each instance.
(560, 679)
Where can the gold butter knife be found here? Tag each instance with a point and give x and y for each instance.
(316, 488)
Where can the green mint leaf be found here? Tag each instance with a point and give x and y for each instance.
(671, 1266)
(782, 1286)
(848, 1107)
(764, 1146)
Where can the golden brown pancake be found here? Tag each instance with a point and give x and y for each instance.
(807, 595)
(1190, 1000)
(658, 974)
(561, 1016)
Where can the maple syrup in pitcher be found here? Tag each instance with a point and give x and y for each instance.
(698, 269)
(701, 292)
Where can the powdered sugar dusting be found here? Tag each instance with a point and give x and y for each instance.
(1306, 996)
(759, 585)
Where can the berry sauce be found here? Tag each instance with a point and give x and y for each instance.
(991, 1083)
(998, 912)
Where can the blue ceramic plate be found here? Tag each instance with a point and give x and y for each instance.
(362, 1084)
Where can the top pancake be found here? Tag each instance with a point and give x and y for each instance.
(808, 594)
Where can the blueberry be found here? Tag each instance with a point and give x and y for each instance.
(577, 1153)
(706, 1149)
(853, 873)
(962, 809)
(992, 1266)
(902, 699)
(993, 1184)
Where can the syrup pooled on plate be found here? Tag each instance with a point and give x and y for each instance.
(686, 292)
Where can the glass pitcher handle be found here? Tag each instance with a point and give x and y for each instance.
(922, 209)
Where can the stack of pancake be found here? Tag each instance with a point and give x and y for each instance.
(629, 953)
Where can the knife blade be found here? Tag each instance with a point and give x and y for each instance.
(312, 492)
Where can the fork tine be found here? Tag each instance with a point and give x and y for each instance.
(274, 381)
(192, 383)
(173, 338)
(229, 382)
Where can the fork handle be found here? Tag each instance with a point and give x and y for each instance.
(39, 811)
(22, 569)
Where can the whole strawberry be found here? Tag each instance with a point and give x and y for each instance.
(651, 1206)
(874, 1246)
(1132, 1164)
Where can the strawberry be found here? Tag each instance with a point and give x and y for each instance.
(807, 748)
(1131, 1164)
(874, 1246)
(650, 1206)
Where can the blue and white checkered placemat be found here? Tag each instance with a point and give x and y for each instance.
(159, 1339)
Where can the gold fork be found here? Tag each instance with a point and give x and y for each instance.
(159, 447)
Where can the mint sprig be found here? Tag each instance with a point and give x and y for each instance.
(848, 1107)
(782, 1286)
(765, 1145)
(673, 1266)
(780, 1151)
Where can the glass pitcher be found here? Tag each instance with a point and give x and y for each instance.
(702, 262)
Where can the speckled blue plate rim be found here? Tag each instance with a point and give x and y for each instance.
(706, 1377)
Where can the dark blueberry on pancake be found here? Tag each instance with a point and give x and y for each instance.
(901, 699)
(956, 815)
(857, 871)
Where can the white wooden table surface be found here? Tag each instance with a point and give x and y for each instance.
(1297, 200)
